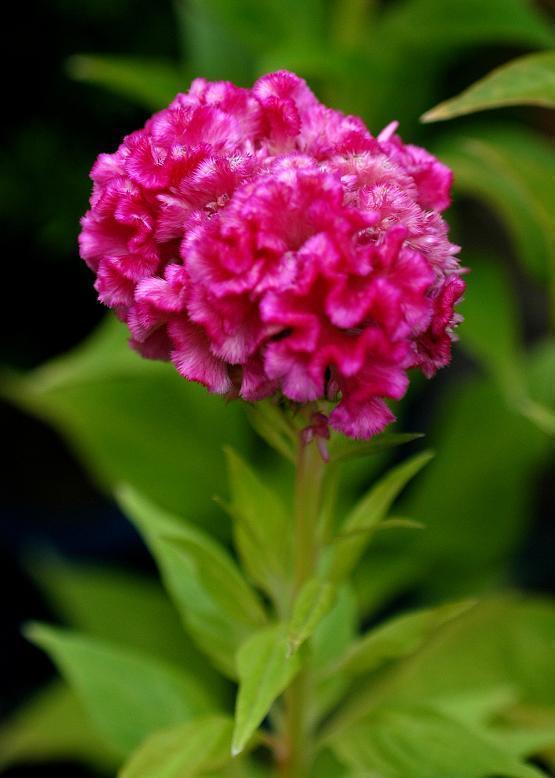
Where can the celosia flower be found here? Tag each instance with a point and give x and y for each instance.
(267, 244)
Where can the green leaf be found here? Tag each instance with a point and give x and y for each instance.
(262, 528)
(528, 80)
(218, 607)
(498, 644)
(490, 331)
(313, 603)
(368, 513)
(397, 638)
(53, 726)
(330, 641)
(211, 49)
(423, 743)
(466, 22)
(135, 421)
(269, 421)
(512, 169)
(342, 448)
(474, 526)
(127, 694)
(119, 606)
(265, 670)
(183, 751)
(151, 84)
(336, 630)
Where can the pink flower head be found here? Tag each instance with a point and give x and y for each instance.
(267, 244)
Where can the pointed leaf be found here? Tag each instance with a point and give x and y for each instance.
(490, 332)
(397, 638)
(151, 84)
(135, 421)
(122, 607)
(369, 512)
(127, 694)
(330, 641)
(424, 743)
(262, 528)
(268, 420)
(183, 751)
(342, 448)
(53, 726)
(217, 605)
(512, 169)
(528, 80)
(313, 603)
(476, 433)
(265, 671)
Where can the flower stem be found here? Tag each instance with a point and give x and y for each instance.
(308, 493)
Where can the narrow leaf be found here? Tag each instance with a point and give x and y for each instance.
(262, 528)
(150, 83)
(450, 23)
(268, 420)
(397, 638)
(183, 751)
(342, 448)
(424, 743)
(490, 332)
(53, 726)
(313, 603)
(127, 694)
(512, 169)
(218, 607)
(122, 607)
(369, 512)
(265, 671)
(529, 80)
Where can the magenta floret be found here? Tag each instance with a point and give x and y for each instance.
(265, 244)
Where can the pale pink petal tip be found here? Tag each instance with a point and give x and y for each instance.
(265, 244)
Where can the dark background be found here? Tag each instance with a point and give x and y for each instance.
(53, 128)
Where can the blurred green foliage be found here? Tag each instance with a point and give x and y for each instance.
(139, 423)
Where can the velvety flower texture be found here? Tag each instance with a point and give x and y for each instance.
(265, 243)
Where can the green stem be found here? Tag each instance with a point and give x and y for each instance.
(295, 753)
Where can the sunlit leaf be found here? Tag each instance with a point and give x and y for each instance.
(503, 644)
(127, 694)
(120, 606)
(313, 603)
(218, 607)
(183, 751)
(424, 743)
(265, 670)
(262, 527)
(368, 513)
(397, 638)
(53, 725)
(342, 448)
(490, 456)
(529, 80)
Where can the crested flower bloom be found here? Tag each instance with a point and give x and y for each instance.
(266, 244)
